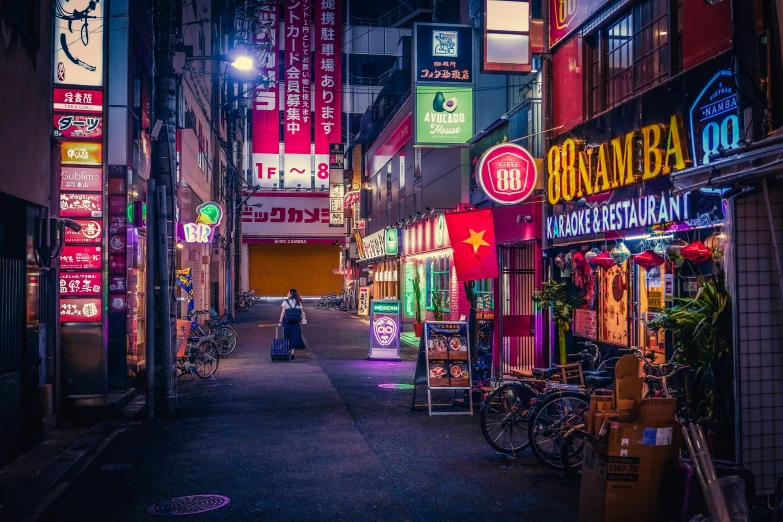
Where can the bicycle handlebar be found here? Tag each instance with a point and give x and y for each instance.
(675, 371)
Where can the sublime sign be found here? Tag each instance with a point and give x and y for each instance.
(576, 171)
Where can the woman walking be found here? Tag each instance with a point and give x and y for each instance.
(291, 316)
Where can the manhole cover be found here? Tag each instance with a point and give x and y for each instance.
(115, 466)
(216, 385)
(190, 505)
(395, 386)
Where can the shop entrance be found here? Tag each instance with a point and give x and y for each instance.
(516, 327)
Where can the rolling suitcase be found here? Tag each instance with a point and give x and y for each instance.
(281, 348)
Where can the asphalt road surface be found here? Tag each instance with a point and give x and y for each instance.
(312, 439)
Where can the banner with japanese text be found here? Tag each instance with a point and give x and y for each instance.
(266, 109)
(328, 80)
(286, 215)
(298, 86)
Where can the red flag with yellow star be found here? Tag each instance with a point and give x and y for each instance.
(472, 237)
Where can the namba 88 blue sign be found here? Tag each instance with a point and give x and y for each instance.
(715, 118)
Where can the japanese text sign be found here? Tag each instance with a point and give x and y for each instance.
(81, 310)
(89, 233)
(80, 283)
(78, 42)
(444, 53)
(266, 109)
(78, 100)
(328, 71)
(75, 126)
(287, 215)
(82, 179)
(448, 354)
(81, 205)
(82, 153)
(79, 257)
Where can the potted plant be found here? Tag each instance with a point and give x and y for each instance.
(556, 297)
(702, 328)
(417, 304)
(437, 305)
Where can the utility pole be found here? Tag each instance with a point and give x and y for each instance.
(166, 25)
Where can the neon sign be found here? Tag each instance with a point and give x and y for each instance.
(209, 215)
(714, 116)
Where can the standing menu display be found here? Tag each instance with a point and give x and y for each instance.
(445, 360)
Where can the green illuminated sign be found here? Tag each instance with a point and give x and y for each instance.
(392, 246)
(388, 308)
(444, 115)
(408, 297)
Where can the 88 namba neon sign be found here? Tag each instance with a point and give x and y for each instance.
(507, 173)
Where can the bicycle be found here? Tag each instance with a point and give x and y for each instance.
(201, 355)
(245, 301)
(506, 411)
(223, 333)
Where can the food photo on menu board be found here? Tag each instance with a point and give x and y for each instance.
(447, 354)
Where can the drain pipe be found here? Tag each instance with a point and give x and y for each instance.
(773, 233)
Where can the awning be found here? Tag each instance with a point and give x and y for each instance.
(745, 165)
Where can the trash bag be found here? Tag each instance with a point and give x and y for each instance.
(733, 489)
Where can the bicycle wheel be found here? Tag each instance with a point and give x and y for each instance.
(226, 340)
(207, 359)
(572, 452)
(551, 420)
(504, 417)
(250, 304)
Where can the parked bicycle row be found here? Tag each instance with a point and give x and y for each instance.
(206, 338)
(344, 302)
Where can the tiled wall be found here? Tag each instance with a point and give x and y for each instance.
(760, 339)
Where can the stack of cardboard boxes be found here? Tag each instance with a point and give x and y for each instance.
(629, 441)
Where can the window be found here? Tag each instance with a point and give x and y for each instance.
(483, 291)
(629, 56)
(438, 281)
(402, 172)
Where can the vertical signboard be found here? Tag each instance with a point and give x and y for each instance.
(78, 42)
(714, 118)
(385, 322)
(296, 116)
(445, 360)
(363, 308)
(266, 111)
(328, 82)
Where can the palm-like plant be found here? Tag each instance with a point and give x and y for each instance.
(702, 328)
(556, 297)
(417, 296)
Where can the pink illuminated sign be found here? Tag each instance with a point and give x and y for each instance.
(80, 284)
(81, 310)
(81, 257)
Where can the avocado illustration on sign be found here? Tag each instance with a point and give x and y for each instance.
(441, 104)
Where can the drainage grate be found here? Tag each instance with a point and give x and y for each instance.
(395, 386)
(190, 505)
(69, 456)
(115, 466)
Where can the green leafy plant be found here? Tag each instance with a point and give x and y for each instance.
(702, 328)
(437, 305)
(556, 297)
(417, 296)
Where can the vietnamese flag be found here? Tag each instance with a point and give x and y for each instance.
(472, 237)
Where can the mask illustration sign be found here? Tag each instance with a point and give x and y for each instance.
(507, 174)
(385, 320)
(444, 115)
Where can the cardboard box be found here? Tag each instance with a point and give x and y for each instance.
(621, 480)
(656, 411)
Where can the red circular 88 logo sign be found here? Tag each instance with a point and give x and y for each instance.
(507, 173)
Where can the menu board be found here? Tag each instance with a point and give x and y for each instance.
(448, 355)
(485, 334)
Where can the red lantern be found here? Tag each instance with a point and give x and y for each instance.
(648, 259)
(579, 261)
(604, 260)
(697, 252)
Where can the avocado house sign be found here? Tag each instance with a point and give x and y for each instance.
(444, 115)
